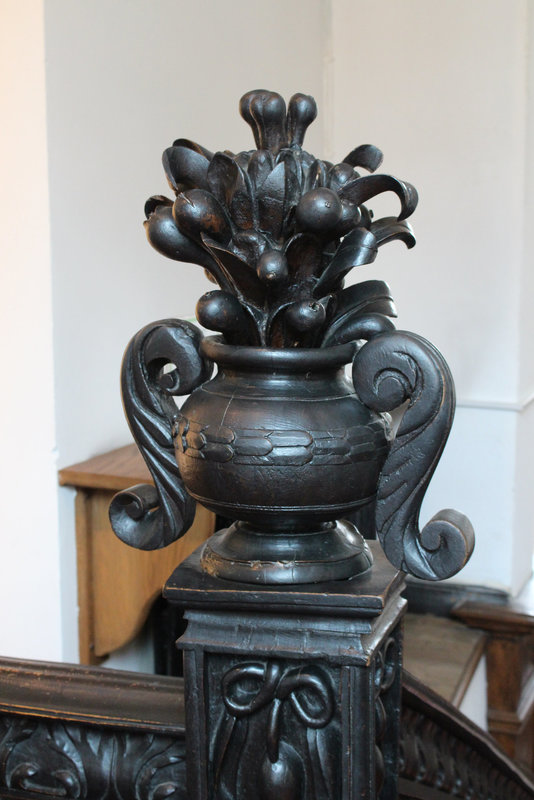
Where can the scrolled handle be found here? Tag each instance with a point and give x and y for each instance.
(389, 370)
(149, 517)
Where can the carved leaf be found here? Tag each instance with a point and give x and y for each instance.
(356, 327)
(360, 190)
(388, 370)
(146, 517)
(65, 760)
(366, 155)
(164, 236)
(185, 168)
(357, 248)
(350, 304)
(244, 279)
(388, 229)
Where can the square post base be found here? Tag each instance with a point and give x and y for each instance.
(292, 693)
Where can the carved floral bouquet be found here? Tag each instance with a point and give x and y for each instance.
(279, 230)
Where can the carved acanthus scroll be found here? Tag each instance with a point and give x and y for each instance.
(149, 517)
(389, 370)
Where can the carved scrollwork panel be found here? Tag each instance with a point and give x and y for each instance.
(64, 760)
(389, 370)
(431, 756)
(149, 517)
(276, 732)
(387, 671)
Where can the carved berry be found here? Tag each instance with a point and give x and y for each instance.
(319, 210)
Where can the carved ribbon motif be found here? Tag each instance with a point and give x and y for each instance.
(150, 517)
(390, 369)
(251, 688)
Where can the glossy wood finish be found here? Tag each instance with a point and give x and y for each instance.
(90, 734)
(117, 584)
(444, 755)
(294, 690)
(292, 652)
(278, 440)
(510, 669)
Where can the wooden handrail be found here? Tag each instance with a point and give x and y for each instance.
(74, 731)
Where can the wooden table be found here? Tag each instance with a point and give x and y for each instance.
(117, 584)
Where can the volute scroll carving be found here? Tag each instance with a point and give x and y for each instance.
(144, 516)
(389, 370)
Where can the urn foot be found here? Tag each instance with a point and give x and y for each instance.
(333, 551)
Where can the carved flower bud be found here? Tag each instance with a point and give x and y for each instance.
(272, 268)
(319, 211)
(305, 315)
(220, 311)
(198, 212)
(302, 110)
(165, 237)
(265, 112)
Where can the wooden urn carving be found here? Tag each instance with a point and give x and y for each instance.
(280, 440)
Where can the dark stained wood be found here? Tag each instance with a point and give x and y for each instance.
(292, 652)
(366, 595)
(293, 689)
(279, 230)
(89, 734)
(103, 697)
(92, 734)
(440, 598)
(445, 755)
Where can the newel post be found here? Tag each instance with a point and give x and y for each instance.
(291, 693)
(293, 648)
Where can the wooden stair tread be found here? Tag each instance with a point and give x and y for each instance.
(442, 653)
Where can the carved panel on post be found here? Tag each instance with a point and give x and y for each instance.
(288, 692)
(275, 730)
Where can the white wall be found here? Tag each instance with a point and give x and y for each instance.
(442, 89)
(124, 79)
(29, 567)
(445, 90)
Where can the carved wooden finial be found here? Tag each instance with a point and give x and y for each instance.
(278, 229)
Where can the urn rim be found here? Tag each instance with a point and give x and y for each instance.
(295, 359)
